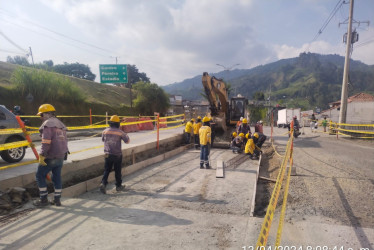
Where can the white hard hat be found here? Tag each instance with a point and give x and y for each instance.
(260, 121)
(241, 118)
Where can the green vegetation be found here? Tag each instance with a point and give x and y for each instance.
(150, 98)
(45, 86)
(308, 81)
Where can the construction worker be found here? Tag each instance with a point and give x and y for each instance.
(324, 124)
(112, 138)
(259, 139)
(239, 123)
(237, 144)
(250, 147)
(196, 126)
(205, 133)
(53, 151)
(244, 127)
(188, 130)
(259, 127)
(233, 135)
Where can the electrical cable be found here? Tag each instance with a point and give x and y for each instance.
(57, 33)
(10, 40)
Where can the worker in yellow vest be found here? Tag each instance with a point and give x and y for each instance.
(205, 133)
(188, 131)
(196, 126)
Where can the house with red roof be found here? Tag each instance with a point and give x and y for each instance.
(360, 109)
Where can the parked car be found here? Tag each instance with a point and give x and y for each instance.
(8, 120)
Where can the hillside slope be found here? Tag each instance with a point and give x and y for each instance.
(306, 81)
(100, 98)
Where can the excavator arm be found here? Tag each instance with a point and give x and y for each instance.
(215, 90)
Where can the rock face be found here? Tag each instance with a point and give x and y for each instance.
(13, 198)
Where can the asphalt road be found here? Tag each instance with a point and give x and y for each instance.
(331, 200)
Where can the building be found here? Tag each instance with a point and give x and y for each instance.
(360, 109)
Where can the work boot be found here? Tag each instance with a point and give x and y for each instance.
(41, 202)
(120, 188)
(201, 166)
(207, 166)
(56, 201)
(102, 188)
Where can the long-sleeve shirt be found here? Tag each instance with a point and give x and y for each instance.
(205, 133)
(112, 138)
(196, 128)
(188, 128)
(54, 139)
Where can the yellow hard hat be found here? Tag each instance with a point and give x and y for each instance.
(193, 119)
(247, 135)
(234, 134)
(206, 119)
(199, 117)
(244, 120)
(114, 118)
(256, 135)
(241, 135)
(45, 108)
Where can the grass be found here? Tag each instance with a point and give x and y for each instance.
(69, 95)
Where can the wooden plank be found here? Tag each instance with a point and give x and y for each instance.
(220, 169)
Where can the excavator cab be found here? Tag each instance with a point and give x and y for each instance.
(237, 109)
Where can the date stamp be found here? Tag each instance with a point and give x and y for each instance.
(301, 248)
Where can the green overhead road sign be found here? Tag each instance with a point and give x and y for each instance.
(113, 73)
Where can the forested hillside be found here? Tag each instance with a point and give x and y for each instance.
(308, 81)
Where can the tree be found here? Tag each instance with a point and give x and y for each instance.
(49, 63)
(150, 98)
(135, 76)
(76, 70)
(20, 60)
(259, 96)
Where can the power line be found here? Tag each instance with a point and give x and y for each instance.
(50, 37)
(332, 14)
(9, 40)
(57, 33)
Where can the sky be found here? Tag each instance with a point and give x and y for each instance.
(172, 40)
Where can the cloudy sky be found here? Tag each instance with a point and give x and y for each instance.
(171, 40)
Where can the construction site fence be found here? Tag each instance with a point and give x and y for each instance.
(284, 170)
(361, 131)
(139, 122)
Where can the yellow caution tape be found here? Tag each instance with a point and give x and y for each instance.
(264, 233)
(10, 131)
(173, 116)
(11, 145)
(283, 211)
(356, 131)
(178, 121)
(19, 164)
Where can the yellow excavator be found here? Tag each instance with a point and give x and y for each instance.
(226, 112)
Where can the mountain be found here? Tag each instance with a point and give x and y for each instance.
(308, 81)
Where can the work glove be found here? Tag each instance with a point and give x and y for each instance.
(42, 160)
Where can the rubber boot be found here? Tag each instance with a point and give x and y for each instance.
(41, 202)
(56, 201)
(102, 188)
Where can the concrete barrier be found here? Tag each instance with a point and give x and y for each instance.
(94, 165)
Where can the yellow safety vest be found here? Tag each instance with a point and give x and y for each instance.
(250, 146)
(188, 128)
(204, 134)
(196, 128)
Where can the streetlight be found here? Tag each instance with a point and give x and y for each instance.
(228, 70)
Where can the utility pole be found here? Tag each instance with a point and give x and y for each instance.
(344, 96)
(32, 57)
(351, 38)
